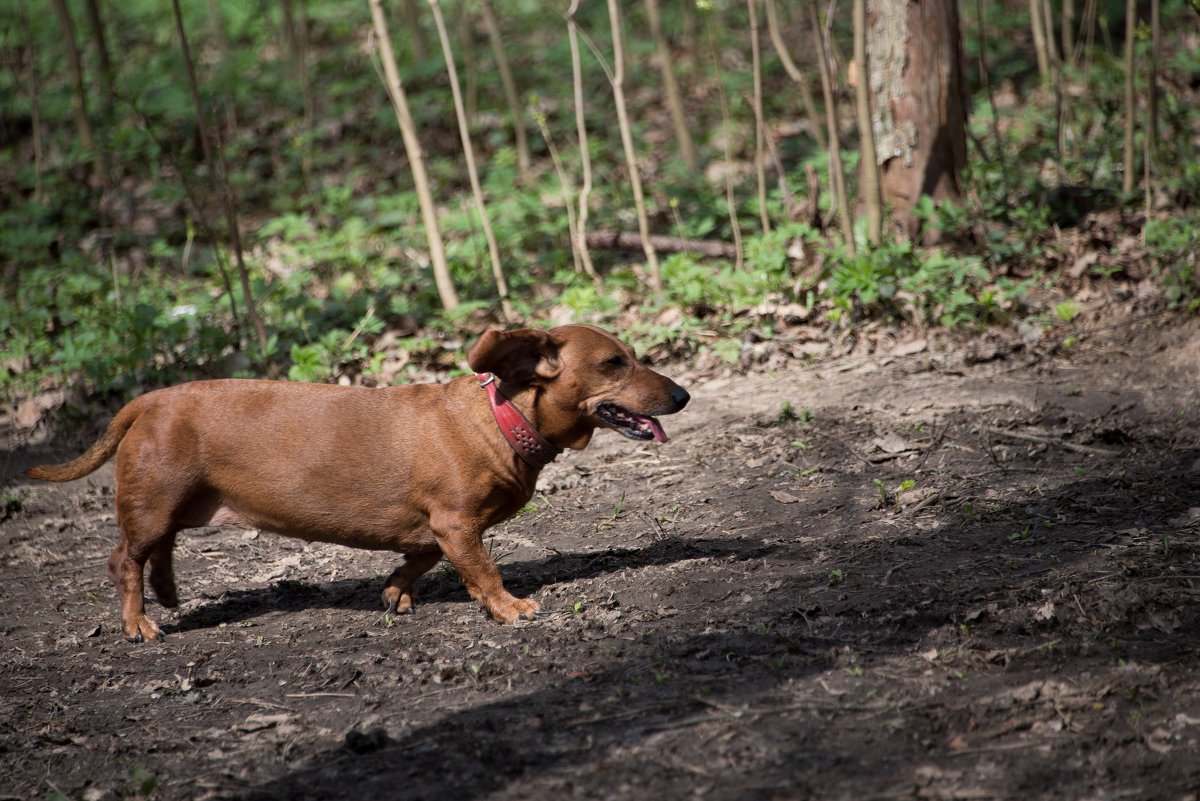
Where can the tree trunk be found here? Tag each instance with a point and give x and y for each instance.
(83, 124)
(511, 96)
(869, 191)
(919, 104)
(683, 137)
(416, 158)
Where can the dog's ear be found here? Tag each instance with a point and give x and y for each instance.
(520, 356)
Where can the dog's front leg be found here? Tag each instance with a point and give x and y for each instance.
(462, 543)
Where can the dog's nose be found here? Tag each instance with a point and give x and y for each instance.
(680, 397)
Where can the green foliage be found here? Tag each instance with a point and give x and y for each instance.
(1175, 243)
(118, 280)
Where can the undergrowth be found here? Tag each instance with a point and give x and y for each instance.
(118, 284)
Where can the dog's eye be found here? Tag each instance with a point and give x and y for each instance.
(615, 361)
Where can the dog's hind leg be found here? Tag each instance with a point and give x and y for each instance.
(399, 593)
(162, 572)
(146, 536)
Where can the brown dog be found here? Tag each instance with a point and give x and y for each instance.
(421, 469)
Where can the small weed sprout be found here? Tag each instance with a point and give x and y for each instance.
(836, 576)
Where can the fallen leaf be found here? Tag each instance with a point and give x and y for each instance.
(784, 497)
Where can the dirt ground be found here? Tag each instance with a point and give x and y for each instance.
(744, 612)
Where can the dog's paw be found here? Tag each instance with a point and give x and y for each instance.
(517, 610)
(142, 629)
(399, 603)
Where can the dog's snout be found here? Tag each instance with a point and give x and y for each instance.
(680, 397)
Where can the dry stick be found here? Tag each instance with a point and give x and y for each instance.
(635, 178)
(683, 137)
(837, 175)
(226, 200)
(1070, 446)
(730, 200)
(469, 153)
(412, 146)
(789, 203)
(868, 165)
(760, 127)
(1130, 99)
(35, 115)
(524, 159)
(579, 243)
(794, 72)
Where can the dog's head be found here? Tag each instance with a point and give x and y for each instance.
(582, 378)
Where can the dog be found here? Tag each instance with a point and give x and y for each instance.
(422, 469)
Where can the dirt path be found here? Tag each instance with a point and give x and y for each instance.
(744, 612)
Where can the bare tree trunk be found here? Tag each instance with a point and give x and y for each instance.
(635, 177)
(581, 133)
(683, 137)
(34, 104)
(726, 117)
(83, 124)
(920, 103)
(797, 76)
(1068, 30)
(223, 48)
(1150, 144)
(1037, 22)
(836, 170)
(466, 35)
(416, 159)
(96, 22)
(297, 44)
(1127, 179)
(412, 27)
(760, 126)
(223, 193)
(524, 159)
(987, 88)
(469, 153)
(868, 163)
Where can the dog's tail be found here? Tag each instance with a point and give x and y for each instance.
(98, 454)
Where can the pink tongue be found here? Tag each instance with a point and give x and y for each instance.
(656, 429)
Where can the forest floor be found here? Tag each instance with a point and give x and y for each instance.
(738, 613)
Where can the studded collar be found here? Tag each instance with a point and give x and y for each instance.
(531, 446)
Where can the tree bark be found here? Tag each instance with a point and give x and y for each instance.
(919, 104)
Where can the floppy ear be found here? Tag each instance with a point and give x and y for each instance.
(519, 356)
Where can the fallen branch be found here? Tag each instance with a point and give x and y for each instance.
(1070, 446)
(617, 240)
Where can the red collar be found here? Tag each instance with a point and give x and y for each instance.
(524, 438)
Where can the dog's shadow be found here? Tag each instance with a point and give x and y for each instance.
(440, 585)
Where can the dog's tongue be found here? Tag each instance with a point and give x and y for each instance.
(655, 428)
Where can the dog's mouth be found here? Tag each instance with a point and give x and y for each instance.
(631, 424)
